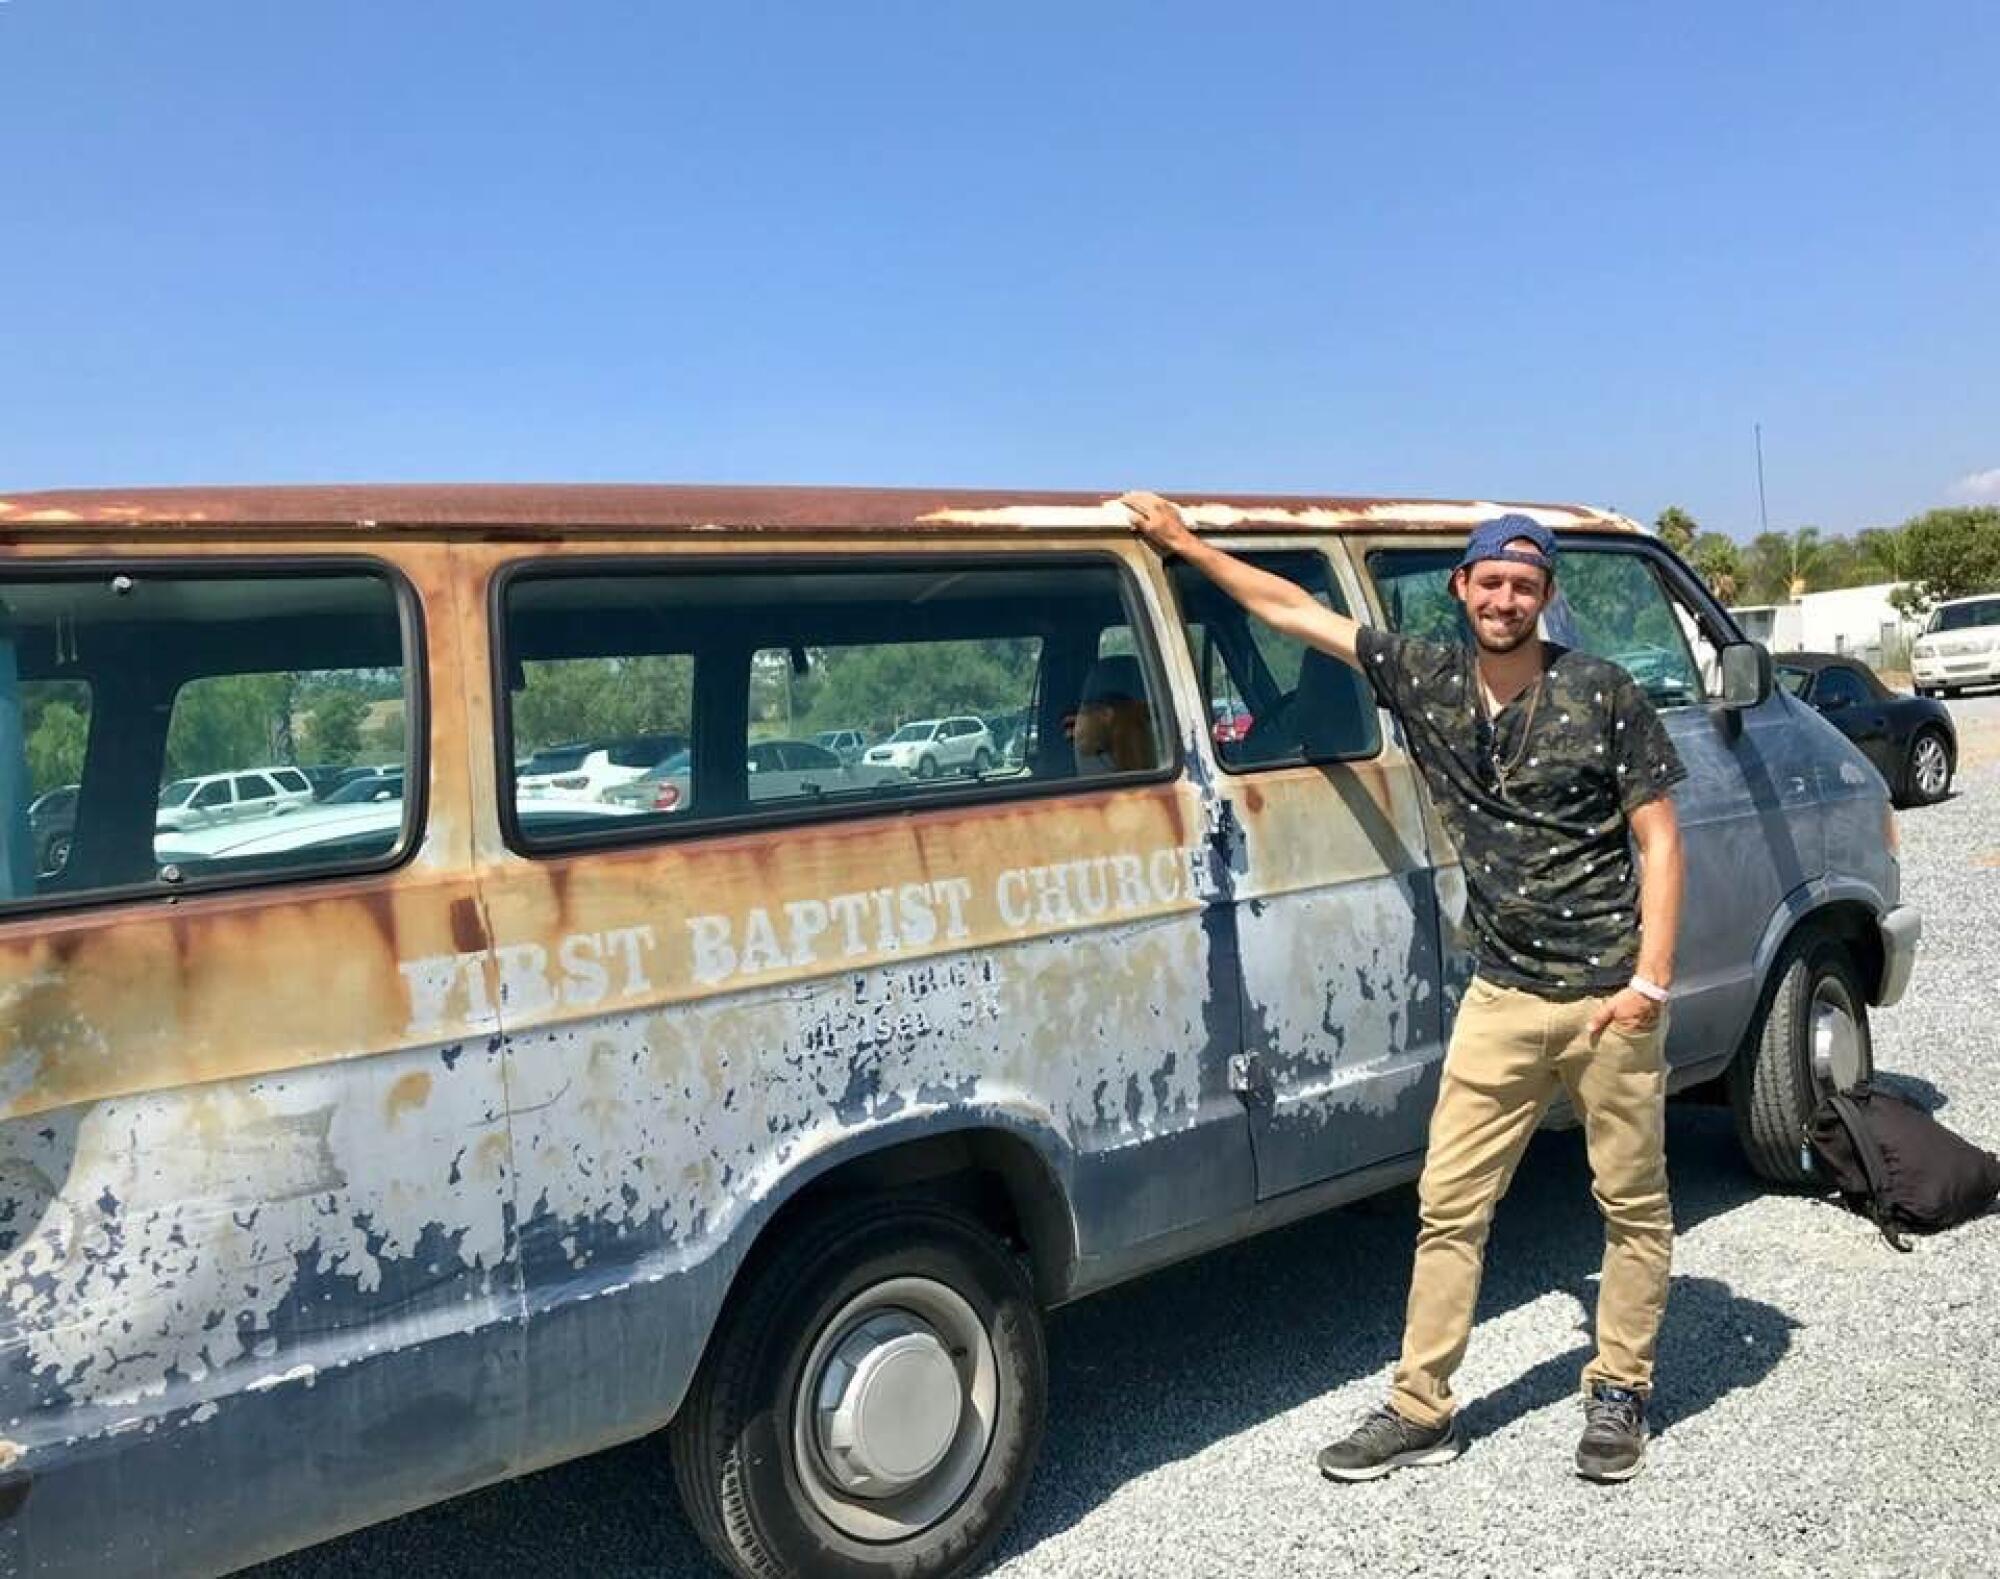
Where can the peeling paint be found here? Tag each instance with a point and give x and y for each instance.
(298, 1373)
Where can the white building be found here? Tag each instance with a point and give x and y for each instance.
(1857, 620)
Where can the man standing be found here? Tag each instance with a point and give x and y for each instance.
(1547, 765)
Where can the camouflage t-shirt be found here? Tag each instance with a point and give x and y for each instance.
(1551, 886)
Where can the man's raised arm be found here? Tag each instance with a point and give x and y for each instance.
(1280, 604)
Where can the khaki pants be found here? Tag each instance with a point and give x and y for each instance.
(1508, 1051)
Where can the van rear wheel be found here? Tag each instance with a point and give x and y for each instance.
(872, 1402)
(1813, 1038)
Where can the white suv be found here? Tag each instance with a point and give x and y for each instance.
(931, 746)
(211, 798)
(1960, 646)
(585, 769)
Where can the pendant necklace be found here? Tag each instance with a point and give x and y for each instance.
(1502, 769)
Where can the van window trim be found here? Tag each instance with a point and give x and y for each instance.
(1241, 545)
(251, 567)
(1138, 618)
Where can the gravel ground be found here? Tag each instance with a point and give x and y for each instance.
(1820, 1406)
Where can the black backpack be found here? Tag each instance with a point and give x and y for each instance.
(1897, 1166)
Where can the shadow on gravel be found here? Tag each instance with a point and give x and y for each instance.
(1150, 1374)
(1714, 1343)
(1159, 1370)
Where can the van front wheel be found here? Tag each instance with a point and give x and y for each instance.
(1813, 1039)
(872, 1403)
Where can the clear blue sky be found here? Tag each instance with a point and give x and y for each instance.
(1540, 251)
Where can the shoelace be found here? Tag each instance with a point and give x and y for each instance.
(1383, 1427)
(1620, 1411)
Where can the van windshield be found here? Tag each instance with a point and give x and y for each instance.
(911, 732)
(1964, 616)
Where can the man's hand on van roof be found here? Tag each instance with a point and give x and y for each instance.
(1281, 604)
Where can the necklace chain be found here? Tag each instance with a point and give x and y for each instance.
(1502, 769)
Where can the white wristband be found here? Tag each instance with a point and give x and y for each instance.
(1648, 989)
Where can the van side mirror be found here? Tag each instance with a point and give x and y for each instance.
(1747, 674)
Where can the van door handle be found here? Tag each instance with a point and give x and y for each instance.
(1247, 1076)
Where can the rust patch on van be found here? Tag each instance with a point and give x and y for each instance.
(410, 1092)
(468, 931)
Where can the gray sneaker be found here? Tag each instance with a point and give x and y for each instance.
(1613, 1446)
(1386, 1441)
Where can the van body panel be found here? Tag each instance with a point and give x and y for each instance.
(238, 1185)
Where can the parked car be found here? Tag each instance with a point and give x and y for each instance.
(1910, 739)
(1959, 647)
(368, 789)
(51, 820)
(931, 746)
(585, 769)
(775, 770)
(358, 830)
(377, 1153)
(211, 798)
(847, 744)
(1231, 723)
(324, 777)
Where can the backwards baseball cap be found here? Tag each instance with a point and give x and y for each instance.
(1489, 540)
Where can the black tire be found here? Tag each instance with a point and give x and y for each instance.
(55, 854)
(926, 767)
(1911, 790)
(734, 1446)
(1774, 1083)
(982, 762)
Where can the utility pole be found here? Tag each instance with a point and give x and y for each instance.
(1763, 519)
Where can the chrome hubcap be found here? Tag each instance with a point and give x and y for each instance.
(895, 1409)
(1932, 767)
(1839, 1046)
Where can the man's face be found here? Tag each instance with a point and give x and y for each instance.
(1503, 599)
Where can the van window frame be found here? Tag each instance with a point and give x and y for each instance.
(1675, 578)
(251, 567)
(943, 799)
(1211, 652)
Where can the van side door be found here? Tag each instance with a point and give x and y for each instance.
(1335, 903)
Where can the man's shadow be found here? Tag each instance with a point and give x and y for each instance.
(1147, 1375)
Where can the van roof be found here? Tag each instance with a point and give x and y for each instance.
(586, 509)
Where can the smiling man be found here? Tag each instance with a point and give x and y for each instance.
(1547, 766)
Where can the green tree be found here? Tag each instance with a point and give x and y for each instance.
(1677, 529)
(333, 727)
(228, 721)
(55, 746)
(1886, 549)
(1719, 562)
(1951, 554)
(597, 698)
(1779, 565)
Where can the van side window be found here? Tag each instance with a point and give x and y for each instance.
(161, 718)
(808, 691)
(1609, 601)
(1272, 701)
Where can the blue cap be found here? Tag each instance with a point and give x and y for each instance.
(1489, 540)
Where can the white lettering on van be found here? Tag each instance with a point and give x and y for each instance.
(459, 989)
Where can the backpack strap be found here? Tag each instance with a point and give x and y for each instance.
(1873, 1163)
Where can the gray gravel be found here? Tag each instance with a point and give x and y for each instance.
(1821, 1408)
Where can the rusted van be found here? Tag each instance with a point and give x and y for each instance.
(357, 1153)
